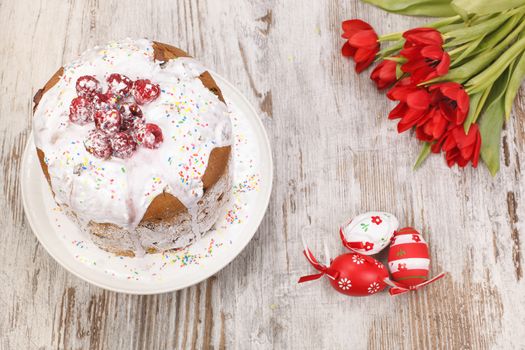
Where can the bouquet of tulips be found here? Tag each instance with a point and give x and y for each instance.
(454, 79)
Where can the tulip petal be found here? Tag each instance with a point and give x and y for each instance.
(450, 143)
(388, 72)
(362, 55)
(398, 111)
(410, 119)
(413, 65)
(463, 101)
(347, 50)
(361, 66)
(432, 52)
(355, 25)
(382, 75)
(477, 149)
(443, 66)
(440, 127)
(418, 99)
(365, 39)
(423, 36)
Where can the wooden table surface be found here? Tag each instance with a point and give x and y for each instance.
(335, 155)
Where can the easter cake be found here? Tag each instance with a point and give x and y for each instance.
(134, 139)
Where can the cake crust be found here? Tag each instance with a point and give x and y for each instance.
(165, 209)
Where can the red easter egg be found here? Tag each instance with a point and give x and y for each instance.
(358, 275)
(408, 258)
(351, 274)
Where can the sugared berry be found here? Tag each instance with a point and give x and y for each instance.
(144, 91)
(123, 145)
(148, 135)
(119, 85)
(97, 143)
(87, 86)
(81, 110)
(131, 114)
(100, 101)
(108, 121)
(119, 122)
(130, 110)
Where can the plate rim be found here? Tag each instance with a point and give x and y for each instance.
(265, 148)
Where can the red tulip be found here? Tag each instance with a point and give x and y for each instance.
(424, 52)
(453, 101)
(413, 107)
(422, 37)
(426, 63)
(459, 147)
(434, 127)
(384, 74)
(362, 43)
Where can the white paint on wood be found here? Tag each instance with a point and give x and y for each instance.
(335, 154)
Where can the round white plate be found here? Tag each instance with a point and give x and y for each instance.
(159, 273)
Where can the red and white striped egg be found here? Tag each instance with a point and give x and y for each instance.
(408, 258)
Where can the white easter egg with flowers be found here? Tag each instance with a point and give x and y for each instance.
(369, 233)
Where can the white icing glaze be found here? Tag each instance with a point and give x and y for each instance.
(118, 191)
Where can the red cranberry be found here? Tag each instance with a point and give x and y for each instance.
(81, 110)
(123, 145)
(120, 85)
(108, 121)
(148, 135)
(101, 101)
(131, 114)
(97, 143)
(144, 91)
(87, 86)
(131, 110)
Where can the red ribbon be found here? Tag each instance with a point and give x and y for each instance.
(400, 288)
(355, 245)
(319, 267)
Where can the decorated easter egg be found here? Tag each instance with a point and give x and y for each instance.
(369, 233)
(358, 275)
(351, 274)
(408, 258)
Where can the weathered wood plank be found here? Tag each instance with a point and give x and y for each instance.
(335, 155)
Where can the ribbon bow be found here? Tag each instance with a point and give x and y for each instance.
(355, 245)
(400, 288)
(323, 270)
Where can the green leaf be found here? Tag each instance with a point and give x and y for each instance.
(490, 128)
(498, 89)
(391, 37)
(491, 123)
(483, 7)
(397, 59)
(392, 49)
(477, 101)
(467, 51)
(460, 11)
(398, 45)
(495, 37)
(431, 8)
(442, 23)
(467, 34)
(477, 63)
(425, 151)
(490, 74)
(514, 84)
(399, 72)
